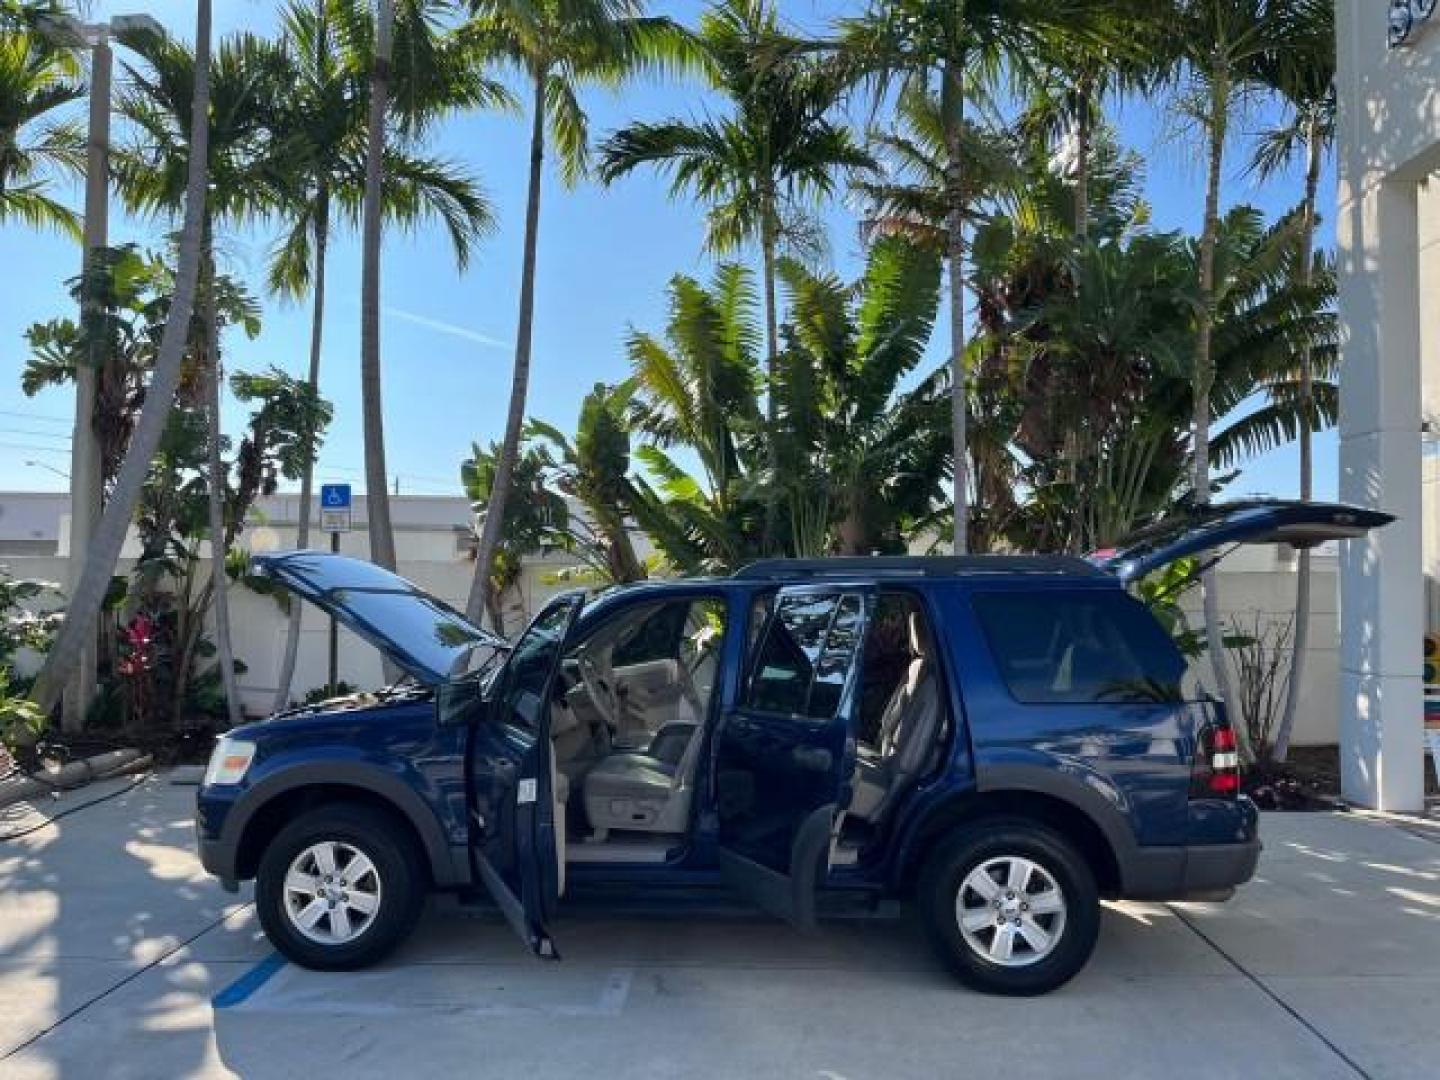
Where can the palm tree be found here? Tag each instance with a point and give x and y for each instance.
(89, 592)
(1121, 52)
(377, 495)
(861, 461)
(247, 77)
(955, 52)
(36, 80)
(1303, 73)
(697, 387)
(1223, 44)
(761, 168)
(321, 175)
(557, 46)
(594, 468)
(538, 519)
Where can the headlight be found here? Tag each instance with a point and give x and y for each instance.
(229, 762)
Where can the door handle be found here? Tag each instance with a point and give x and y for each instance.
(813, 758)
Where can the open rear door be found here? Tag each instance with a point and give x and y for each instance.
(785, 755)
(1223, 525)
(511, 779)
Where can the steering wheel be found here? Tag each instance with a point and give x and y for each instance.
(602, 693)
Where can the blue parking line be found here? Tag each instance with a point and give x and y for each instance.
(241, 989)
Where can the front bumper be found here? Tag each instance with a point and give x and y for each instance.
(218, 846)
(218, 859)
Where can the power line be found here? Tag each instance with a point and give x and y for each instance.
(37, 434)
(36, 417)
(33, 448)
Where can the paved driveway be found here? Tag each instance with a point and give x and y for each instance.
(118, 957)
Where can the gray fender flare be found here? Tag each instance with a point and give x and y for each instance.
(445, 868)
(1104, 811)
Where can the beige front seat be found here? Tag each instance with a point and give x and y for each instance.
(644, 792)
(908, 728)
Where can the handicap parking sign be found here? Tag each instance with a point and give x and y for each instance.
(335, 507)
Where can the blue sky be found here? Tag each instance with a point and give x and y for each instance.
(605, 256)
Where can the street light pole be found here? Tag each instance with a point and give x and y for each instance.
(85, 483)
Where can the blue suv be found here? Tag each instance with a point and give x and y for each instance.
(1005, 740)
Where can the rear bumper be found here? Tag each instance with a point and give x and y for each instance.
(1193, 872)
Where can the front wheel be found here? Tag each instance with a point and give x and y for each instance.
(338, 888)
(1011, 907)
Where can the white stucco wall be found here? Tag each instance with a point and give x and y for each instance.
(1252, 581)
(1388, 145)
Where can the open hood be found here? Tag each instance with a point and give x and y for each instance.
(1256, 521)
(421, 635)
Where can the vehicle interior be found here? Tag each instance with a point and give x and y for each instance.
(628, 719)
(903, 723)
(625, 728)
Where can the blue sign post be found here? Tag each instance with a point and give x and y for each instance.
(335, 505)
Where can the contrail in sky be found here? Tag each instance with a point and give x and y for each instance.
(442, 327)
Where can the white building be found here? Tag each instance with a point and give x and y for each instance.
(433, 547)
(433, 544)
(1388, 232)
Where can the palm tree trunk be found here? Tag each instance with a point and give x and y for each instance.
(1301, 641)
(952, 103)
(220, 594)
(1083, 137)
(90, 590)
(520, 378)
(768, 244)
(307, 479)
(377, 495)
(1204, 375)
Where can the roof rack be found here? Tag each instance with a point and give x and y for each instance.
(917, 566)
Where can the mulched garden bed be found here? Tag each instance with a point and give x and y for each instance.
(1309, 780)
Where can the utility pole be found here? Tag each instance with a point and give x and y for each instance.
(86, 492)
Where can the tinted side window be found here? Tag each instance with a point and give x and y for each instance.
(1057, 647)
(530, 666)
(805, 657)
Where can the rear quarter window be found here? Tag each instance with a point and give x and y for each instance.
(1054, 647)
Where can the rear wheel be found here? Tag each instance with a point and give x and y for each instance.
(339, 887)
(1011, 907)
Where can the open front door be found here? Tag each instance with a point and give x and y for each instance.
(514, 848)
(785, 755)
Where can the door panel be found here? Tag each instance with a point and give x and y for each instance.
(515, 850)
(785, 755)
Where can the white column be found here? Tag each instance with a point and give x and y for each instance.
(1382, 589)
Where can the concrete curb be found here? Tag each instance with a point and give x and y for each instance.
(74, 775)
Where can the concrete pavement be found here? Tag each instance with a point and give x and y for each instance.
(113, 944)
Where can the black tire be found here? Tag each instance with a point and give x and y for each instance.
(997, 838)
(401, 892)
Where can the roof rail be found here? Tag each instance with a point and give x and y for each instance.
(918, 566)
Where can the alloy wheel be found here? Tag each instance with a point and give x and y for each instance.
(332, 892)
(1011, 911)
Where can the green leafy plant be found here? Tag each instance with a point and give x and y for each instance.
(21, 720)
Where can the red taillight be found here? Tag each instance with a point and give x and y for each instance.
(1217, 763)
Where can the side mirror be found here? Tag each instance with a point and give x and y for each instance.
(456, 701)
